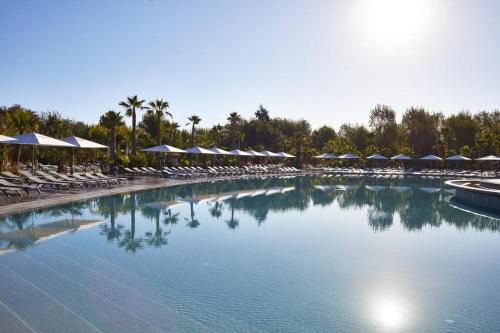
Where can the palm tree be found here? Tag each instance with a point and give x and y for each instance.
(174, 126)
(159, 109)
(193, 120)
(234, 120)
(131, 105)
(21, 121)
(112, 120)
(217, 129)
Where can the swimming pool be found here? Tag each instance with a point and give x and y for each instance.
(300, 254)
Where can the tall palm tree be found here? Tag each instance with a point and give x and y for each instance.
(158, 108)
(174, 127)
(112, 120)
(193, 120)
(234, 120)
(131, 105)
(22, 121)
(217, 129)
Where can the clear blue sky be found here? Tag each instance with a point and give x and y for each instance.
(324, 60)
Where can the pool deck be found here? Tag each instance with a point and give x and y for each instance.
(52, 198)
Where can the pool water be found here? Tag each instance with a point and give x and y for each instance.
(303, 254)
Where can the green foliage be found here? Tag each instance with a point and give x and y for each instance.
(420, 132)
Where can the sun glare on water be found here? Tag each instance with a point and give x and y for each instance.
(395, 22)
(389, 313)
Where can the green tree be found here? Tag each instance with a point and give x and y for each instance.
(21, 121)
(111, 120)
(382, 122)
(262, 114)
(421, 130)
(234, 122)
(158, 108)
(357, 134)
(193, 120)
(321, 136)
(131, 105)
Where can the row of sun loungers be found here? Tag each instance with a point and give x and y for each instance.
(211, 171)
(409, 171)
(51, 180)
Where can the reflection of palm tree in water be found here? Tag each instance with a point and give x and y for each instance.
(216, 210)
(170, 218)
(129, 241)
(158, 238)
(193, 223)
(232, 223)
(113, 231)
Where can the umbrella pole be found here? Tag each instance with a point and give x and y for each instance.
(33, 162)
(73, 160)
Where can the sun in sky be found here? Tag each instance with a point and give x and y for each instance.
(396, 22)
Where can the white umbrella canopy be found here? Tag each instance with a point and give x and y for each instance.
(237, 152)
(83, 143)
(457, 158)
(326, 155)
(219, 151)
(199, 150)
(36, 139)
(431, 158)
(377, 157)
(488, 158)
(270, 153)
(283, 154)
(164, 149)
(348, 156)
(401, 157)
(6, 139)
(255, 153)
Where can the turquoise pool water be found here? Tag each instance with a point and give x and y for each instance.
(311, 254)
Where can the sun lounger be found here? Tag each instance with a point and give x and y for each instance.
(25, 187)
(121, 180)
(80, 176)
(12, 176)
(37, 181)
(68, 178)
(51, 178)
(128, 170)
(109, 181)
(7, 190)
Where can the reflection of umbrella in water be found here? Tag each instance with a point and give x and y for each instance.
(346, 187)
(160, 205)
(430, 190)
(375, 188)
(22, 238)
(259, 192)
(243, 195)
(200, 198)
(400, 189)
(287, 189)
(273, 191)
(323, 188)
